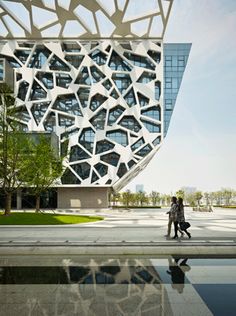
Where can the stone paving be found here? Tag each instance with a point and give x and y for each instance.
(130, 228)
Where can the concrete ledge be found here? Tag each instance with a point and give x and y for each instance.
(116, 249)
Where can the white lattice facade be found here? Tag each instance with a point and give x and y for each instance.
(97, 74)
(102, 99)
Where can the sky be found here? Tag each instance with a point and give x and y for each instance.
(200, 147)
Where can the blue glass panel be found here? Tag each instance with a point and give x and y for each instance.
(68, 104)
(96, 101)
(175, 60)
(101, 169)
(77, 153)
(130, 123)
(151, 127)
(118, 136)
(117, 63)
(103, 145)
(82, 169)
(153, 112)
(140, 61)
(136, 145)
(122, 81)
(87, 139)
(111, 158)
(144, 151)
(122, 170)
(98, 121)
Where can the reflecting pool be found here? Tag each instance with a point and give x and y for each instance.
(80, 285)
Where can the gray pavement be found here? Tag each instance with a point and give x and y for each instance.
(135, 231)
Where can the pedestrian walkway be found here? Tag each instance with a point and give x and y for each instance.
(132, 230)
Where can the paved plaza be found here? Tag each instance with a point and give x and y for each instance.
(131, 228)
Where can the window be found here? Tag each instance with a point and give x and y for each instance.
(46, 78)
(130, 123)
(77, 153)
(38, 110)
(136, 145)
(57, 64)
(118, 136)
(63, 80)
(146, 77)
(103, 145)
(65, 121)
(69, 178)
(87, 139)
(130, 98)
(83, 77)
(151, 127)
(39, 57)
(140, 61)
(122, 81)
(153, 112)
(111, 158)
(101, 169)
(114, 114)
(98, 57)
(67, 103)
(96, 101)
(144, 151)
(122, 170)
(74, 60)
(98, 121)
(83, 95)
(117, 63)
(82, 169)
(70, 47)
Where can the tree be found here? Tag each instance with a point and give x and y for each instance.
(44, 167)
(155, 197)
(142, 198)
(14, 147)
(127, 198)
(207, 197)
(180, 194)
(198, 196)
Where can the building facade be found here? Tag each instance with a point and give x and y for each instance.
(98, 75)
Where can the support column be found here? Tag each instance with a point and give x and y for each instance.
(19, 199)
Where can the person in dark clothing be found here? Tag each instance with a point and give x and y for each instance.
(177, 273)
(180, 218)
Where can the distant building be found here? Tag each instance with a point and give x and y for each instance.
(139, 188)
(189, 190)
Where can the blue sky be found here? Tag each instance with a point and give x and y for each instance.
(200, 147)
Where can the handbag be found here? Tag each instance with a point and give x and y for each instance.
(184, 225)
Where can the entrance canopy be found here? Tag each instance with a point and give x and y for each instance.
(84, 19)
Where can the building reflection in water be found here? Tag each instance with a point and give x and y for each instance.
(95, 287)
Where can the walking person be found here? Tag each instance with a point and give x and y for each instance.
(180, 219)
(172, 214)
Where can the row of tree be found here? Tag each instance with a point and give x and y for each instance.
(224, 197)
(25, 160)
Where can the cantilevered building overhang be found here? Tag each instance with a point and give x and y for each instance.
(97, 74)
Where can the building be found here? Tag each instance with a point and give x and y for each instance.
(98, 75)
(139, 188)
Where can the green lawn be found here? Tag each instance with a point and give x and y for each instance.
(17, 218)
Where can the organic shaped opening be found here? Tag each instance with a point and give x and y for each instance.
(130, 98)
(107, 84)
(57, 64)
(46, 78)
(130, 123)
(23, 88)
(18, 76)
(67, 134)
(69, 178)
(38, 110)
(126, 45)
(82, 169)
(77, 153)
(63, 80)
(98, 120)
(101, 169)
(83, 95)
(122, 81)
(146, 77)
(98, 57)
(83, 77)
(157, 90)
(26, 44)
(114, 114)
(114, 94)
(74, 60)
(94, 177)
(22, 114)
(37, 92)
(131, 163)
(144, 151)
(122, 170)
(118, 136)
(50, 122)
(151, 127)
(39, 57)
(136, 145)
(157, 141)
(156, 56)
(87, 139)
(143, 101)
(117, 63)
(103, 145)
(65, 121)
(111, 158)
(109, 181)
(70, 47)
(96, 101)
(153, 112)
(22, 55)
(67, 103)
(64, 148)
(97, 75)
(140, 61)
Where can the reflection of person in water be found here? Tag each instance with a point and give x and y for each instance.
(177, 272)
